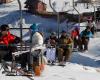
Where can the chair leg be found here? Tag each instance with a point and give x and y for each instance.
(1, 67)
(13, 63)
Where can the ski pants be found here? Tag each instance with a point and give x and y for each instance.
(64, 54)
(83, 45)
(32, 59)
(51, 54)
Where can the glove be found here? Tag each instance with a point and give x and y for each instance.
(17, 40)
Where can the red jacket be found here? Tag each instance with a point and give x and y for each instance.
(74, 34)
(7, 39)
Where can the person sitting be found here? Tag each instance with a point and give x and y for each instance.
(51, 48)
(7, 43)
(52, 40)
(74, 36)
(65, 48)
(85, 36)
(32, 57)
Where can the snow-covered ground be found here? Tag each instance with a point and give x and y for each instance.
(83, 66)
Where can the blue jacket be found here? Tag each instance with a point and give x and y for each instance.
(87, 34)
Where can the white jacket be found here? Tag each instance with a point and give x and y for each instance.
(37, 41)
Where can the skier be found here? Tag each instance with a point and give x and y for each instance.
(65, 48)
(7, 43)
(85, 36)
(32, 57)
(51, 48)
(74, 36)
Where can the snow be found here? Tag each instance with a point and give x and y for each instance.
(82, 66)
(67, 5)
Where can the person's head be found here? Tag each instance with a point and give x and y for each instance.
(53, 34)
(63, 33)
(34, 28)
(88, 29)
(4, 29)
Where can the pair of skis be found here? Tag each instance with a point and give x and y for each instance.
(18, 71)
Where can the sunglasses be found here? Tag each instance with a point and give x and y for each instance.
(6, 30)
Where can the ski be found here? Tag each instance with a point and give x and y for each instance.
(63, 65)
(20, 71)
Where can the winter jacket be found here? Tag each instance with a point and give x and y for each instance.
(65, 42)
(37, 39)
(51, 41)
(86, 34)
(37, 42)
(7, 39)
(74, 34)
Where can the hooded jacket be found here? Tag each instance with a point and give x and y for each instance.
(37, 39)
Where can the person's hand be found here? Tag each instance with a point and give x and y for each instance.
(76, 37)
(17, 39)
(1, 42)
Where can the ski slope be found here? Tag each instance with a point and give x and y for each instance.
(82, 66)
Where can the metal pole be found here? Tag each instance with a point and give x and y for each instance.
(21, 22)
(58, 18)
(58, 25)
(94, 15)
(94, 12)
(77, 12)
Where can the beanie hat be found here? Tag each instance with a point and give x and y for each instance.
(34, 27)
(63, 31)
(3, 27)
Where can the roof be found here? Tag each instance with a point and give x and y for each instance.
(32, 2)
(29, 1)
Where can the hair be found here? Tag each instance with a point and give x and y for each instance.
(3, 27)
